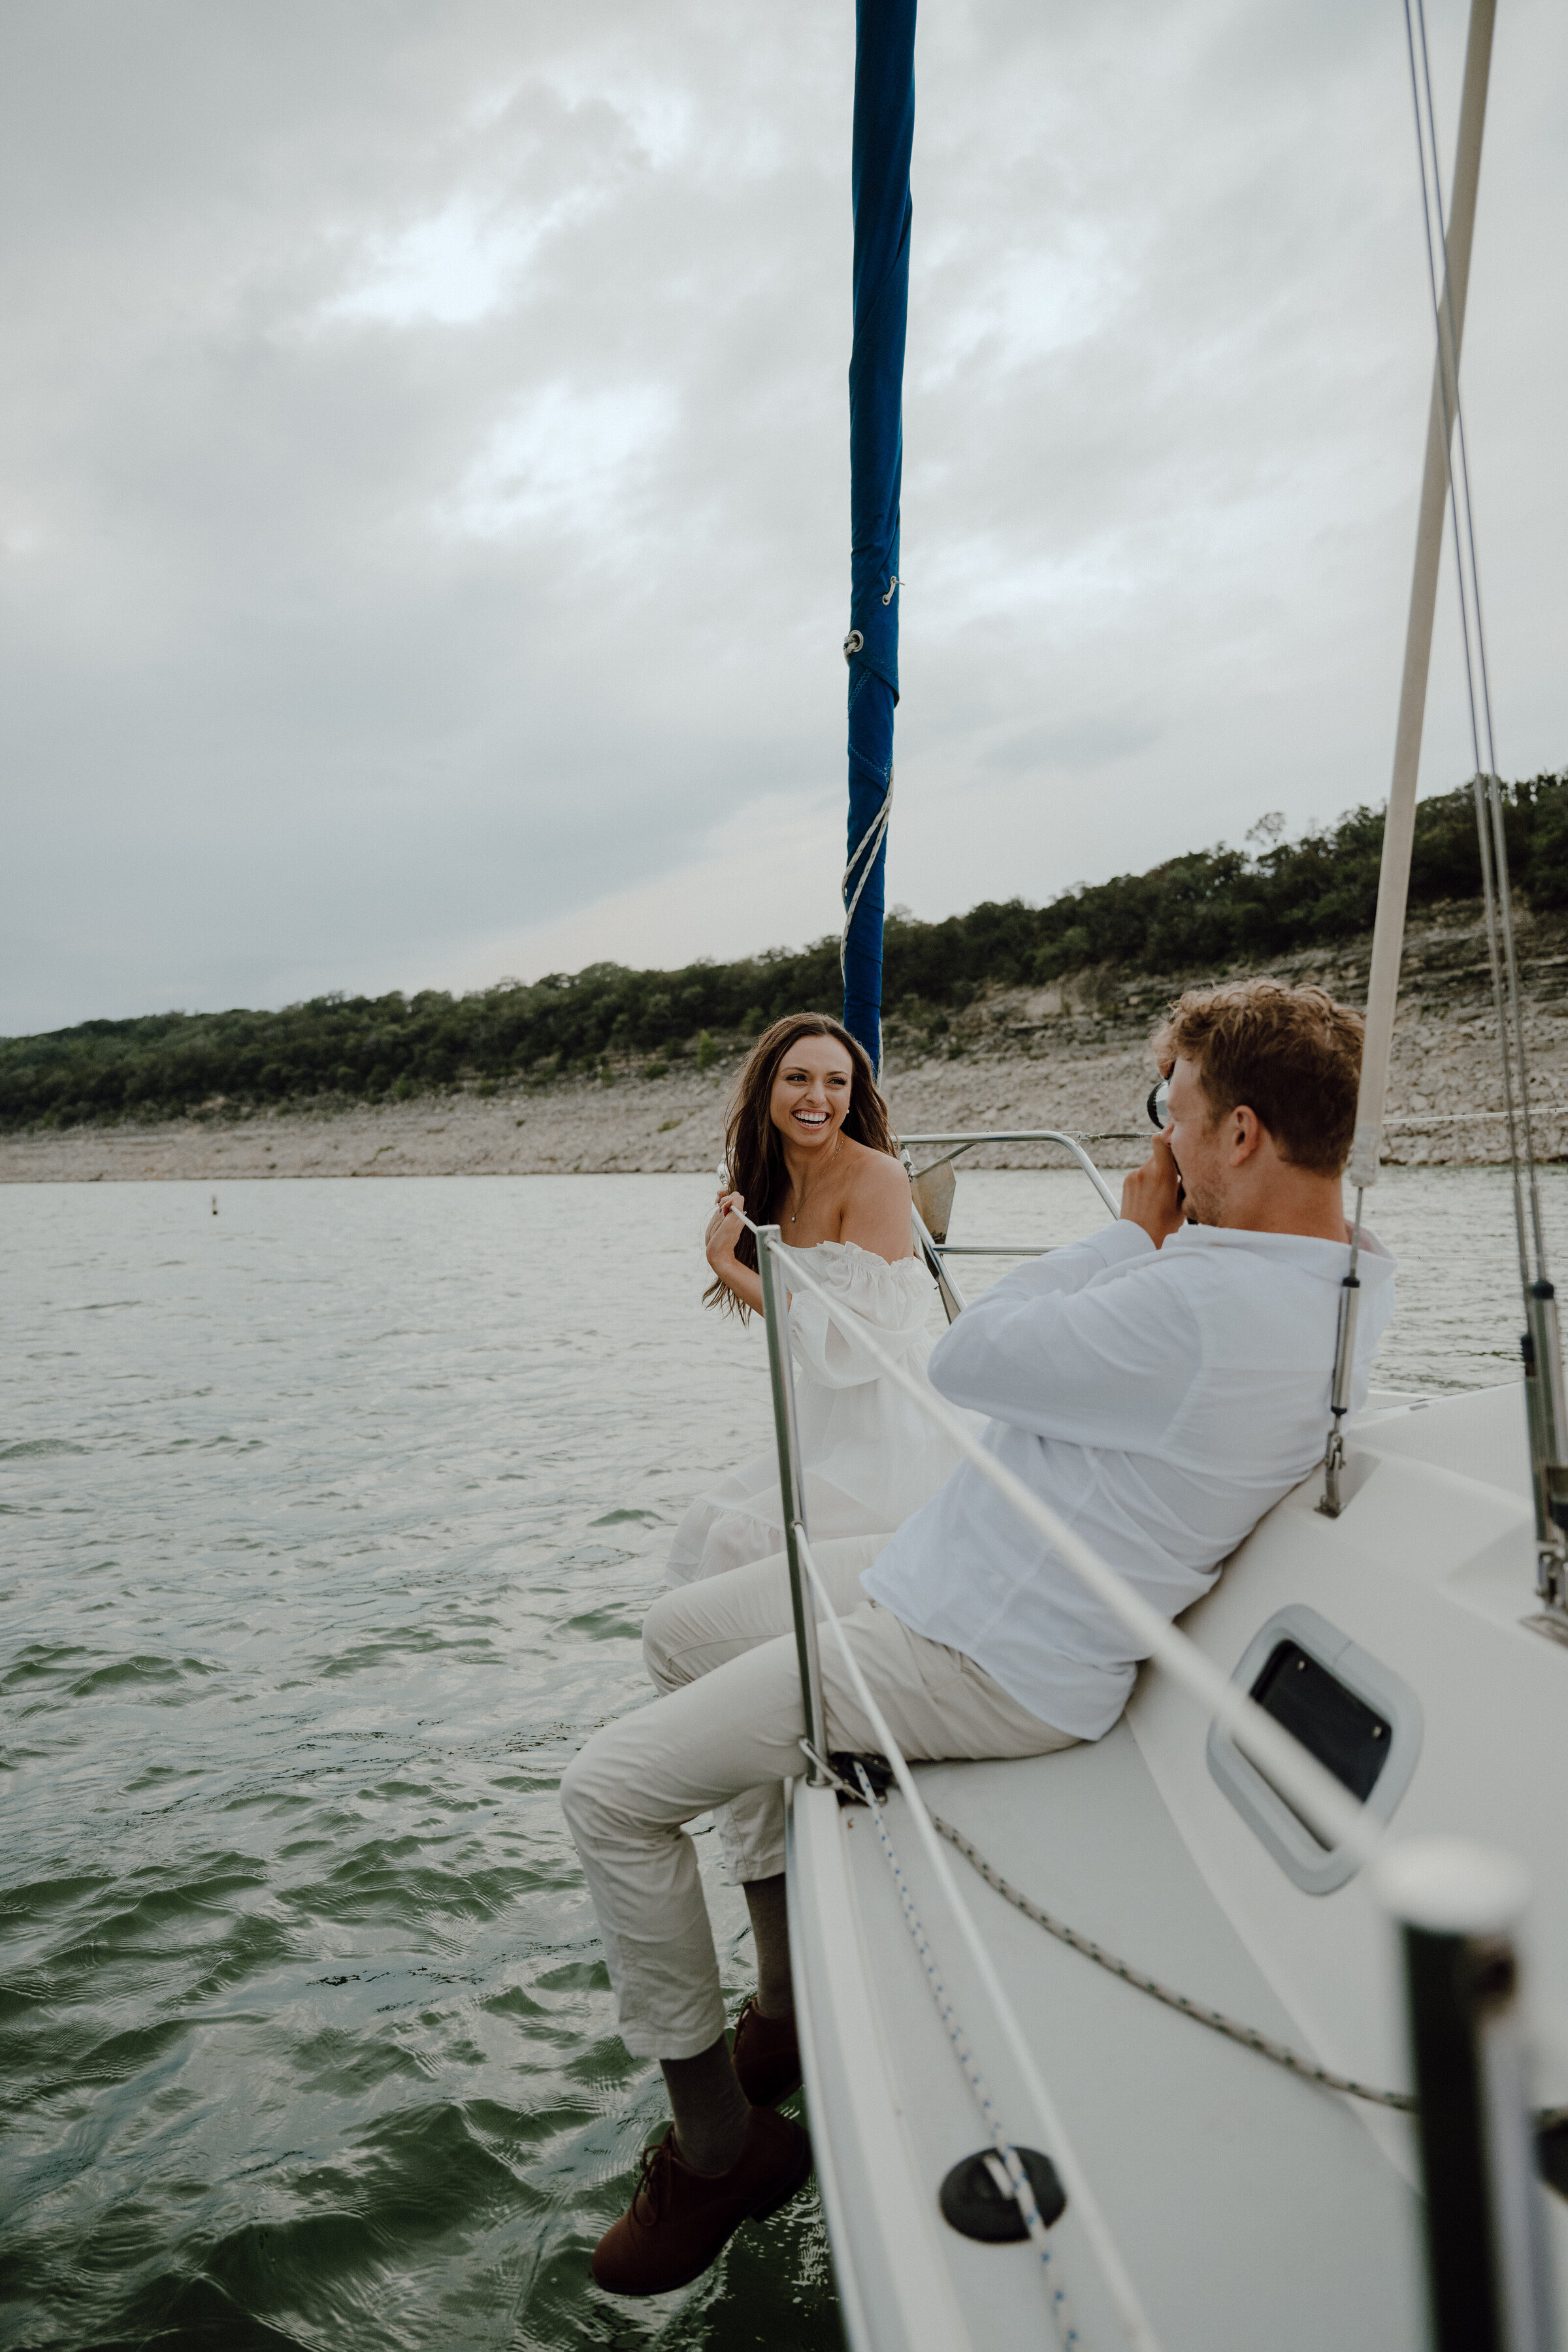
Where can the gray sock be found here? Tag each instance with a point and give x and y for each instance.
(712, 2112)
(770, 1934)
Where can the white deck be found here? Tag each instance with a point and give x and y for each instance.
(1251, 2208)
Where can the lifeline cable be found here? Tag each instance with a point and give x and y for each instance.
(1018, 2180)
(1134, 2320)
(1247, 2036)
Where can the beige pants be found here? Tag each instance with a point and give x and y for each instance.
(725, 1733)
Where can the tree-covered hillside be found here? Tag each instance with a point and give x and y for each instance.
(1194, 914)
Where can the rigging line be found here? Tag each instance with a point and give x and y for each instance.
(868, 846)
(1493, 792)
(1489, 812)
(1136, 2323)
(1489, 815)
(1510, 964)
(1018, 2181)
(1459, 405)
(1490, 899)
(1447, 356)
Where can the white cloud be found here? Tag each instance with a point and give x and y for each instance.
(564, 457)
(424, 445)
(451, 269)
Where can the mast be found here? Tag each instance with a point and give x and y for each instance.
(883, 137)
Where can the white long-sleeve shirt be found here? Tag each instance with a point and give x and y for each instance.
(1160, 1401)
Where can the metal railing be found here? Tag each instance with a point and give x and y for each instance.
(1456, 1906)
(956, 1145)
(937, 1253)
(792, 1488)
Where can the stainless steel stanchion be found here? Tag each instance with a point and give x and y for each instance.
(1457, 1907)
(770, 1263)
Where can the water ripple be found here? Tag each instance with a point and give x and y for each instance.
(331, 1525)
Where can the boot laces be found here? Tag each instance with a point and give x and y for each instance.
(653, 2173)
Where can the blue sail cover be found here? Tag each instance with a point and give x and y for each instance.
(884, 133)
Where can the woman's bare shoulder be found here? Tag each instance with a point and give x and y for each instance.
(874, 1175)
(875, 1210)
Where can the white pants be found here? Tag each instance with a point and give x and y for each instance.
(725, 1732)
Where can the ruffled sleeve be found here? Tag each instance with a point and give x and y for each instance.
(891, 1302)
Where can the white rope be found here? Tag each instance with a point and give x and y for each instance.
(1007, 2156)
(869, 843)
(1134, 2321)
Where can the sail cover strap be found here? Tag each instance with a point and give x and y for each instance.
(884, 134)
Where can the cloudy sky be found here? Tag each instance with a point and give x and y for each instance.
(423, 466)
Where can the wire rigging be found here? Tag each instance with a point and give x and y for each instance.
(1489, 825)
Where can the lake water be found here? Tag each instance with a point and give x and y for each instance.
(328, 1523)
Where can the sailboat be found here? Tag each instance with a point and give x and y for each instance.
(1247, 2025)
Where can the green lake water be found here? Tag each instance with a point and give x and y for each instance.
(328, 1522)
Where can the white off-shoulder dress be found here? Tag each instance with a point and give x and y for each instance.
(869, 1455)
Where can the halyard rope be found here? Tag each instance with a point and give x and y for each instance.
(1007, 2155)
(868, 846)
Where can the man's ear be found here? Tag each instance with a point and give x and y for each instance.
(1247, 1134)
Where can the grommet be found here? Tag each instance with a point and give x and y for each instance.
(975, 2204)
(852, 644)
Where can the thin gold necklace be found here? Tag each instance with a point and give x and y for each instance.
(832, 1155)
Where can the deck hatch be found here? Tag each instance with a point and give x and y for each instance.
(1347, 1737)
(1360, 1720)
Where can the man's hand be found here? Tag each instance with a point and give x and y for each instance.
(1152, 1195)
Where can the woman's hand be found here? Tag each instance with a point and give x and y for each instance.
(724, 1231)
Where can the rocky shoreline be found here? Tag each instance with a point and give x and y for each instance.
(1073, 1057)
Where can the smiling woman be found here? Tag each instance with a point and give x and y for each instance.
(809, 1149)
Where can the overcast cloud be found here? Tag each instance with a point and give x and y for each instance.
(423, 466)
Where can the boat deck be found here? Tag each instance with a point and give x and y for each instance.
(1251, 2206)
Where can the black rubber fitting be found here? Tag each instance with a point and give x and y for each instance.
(974, 2204)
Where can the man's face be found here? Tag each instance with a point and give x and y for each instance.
(1199, 1144)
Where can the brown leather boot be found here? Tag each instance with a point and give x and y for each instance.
(767, 2055)
(678, 2221)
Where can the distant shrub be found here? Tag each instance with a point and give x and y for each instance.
(1192, 914)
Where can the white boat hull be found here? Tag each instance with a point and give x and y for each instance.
(1251, 2208)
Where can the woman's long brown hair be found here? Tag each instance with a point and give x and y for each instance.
(754, 1149)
